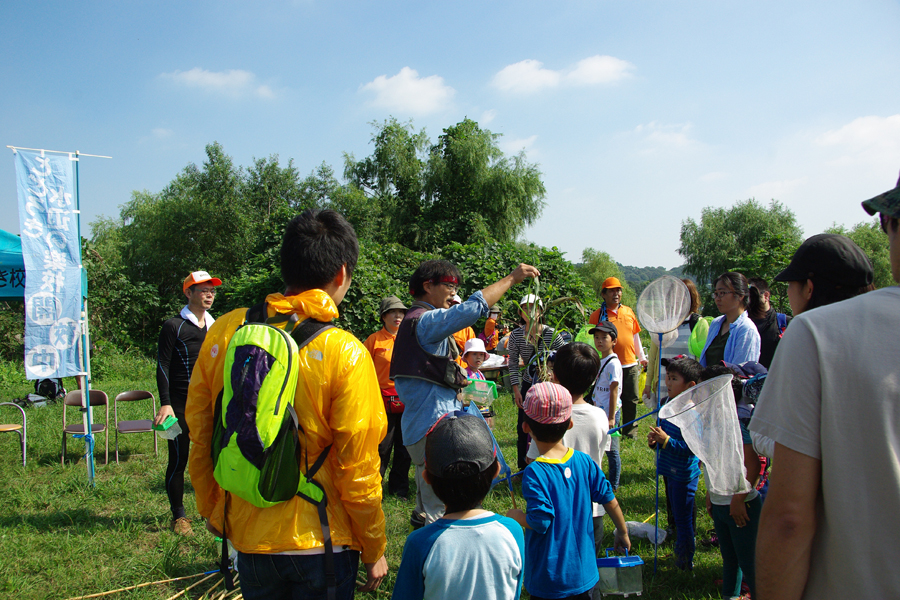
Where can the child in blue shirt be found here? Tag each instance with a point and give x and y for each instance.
(677, 464)
(469, 552)
(559, 487)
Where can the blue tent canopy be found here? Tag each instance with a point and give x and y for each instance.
(12, 266)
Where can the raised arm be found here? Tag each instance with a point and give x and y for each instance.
(495, 291)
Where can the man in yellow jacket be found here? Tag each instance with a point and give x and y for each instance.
(280, 549)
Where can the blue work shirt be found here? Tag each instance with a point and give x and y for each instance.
(426, 401)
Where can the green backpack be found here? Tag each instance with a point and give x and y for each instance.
(255, 449)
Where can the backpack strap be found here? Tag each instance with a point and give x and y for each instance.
(303, 333)
(782, 323)
(224, 567)
(307, 330)
(603, 366)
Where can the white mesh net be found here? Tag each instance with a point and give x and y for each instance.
(664, 305)
(707, 417)
(667, 339)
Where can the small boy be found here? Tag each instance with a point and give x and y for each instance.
(677, 464)
(469, 552)
(575, 368)
(558, 488)
(606, 392)
(474, 356)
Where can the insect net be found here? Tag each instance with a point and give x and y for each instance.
(708, 420)
(664, 305)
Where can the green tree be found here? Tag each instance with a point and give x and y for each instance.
(201, 220)
(596, 266)
(321, 189)
(392, 180)
(755, 240)
(463, 189)
(874, 242)
(474, 192)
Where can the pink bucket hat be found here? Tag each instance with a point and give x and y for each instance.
(548, 403)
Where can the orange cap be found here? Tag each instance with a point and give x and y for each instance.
(611, 282)
(200, 277)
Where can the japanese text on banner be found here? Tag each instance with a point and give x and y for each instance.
(52, 254)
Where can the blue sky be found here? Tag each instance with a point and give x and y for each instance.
(639, 113)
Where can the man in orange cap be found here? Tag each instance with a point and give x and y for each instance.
(180, 340)
(628, 347)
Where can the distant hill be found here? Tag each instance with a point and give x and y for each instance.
(639, 277)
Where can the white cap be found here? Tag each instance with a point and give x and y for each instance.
(474, 345)
(455, 299)
(531, 299)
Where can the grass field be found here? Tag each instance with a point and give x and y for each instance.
(59, 538)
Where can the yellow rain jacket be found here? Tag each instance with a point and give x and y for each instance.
(337, 401)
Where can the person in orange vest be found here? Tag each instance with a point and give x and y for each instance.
(491, 334)
(381, 346)
(628, 347)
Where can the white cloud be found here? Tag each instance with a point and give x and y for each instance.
(514, 146)
(526, 77)
(597, 70)
(676, 135)
(864, 140)
(161, 133)
(233, 82)
(783, 190)
(529, 76)
(487, 116)
(713, 176)
(406, 92)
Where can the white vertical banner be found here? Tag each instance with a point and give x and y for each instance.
(51, 250)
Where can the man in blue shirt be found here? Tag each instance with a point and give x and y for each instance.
(423, 347)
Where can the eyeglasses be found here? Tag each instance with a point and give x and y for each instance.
(453, 288)
(716, 295)
(207, 292)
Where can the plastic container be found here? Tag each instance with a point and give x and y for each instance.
(620, 575)
(168, 429)
(481, 392)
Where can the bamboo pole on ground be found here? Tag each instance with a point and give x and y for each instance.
(193, 585)
(134, 587)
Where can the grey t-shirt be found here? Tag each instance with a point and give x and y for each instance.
(833, 393)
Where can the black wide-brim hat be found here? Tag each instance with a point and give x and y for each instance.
(832, 257)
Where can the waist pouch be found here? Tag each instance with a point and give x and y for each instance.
(392, 404)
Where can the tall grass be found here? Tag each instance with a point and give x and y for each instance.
(60, 538)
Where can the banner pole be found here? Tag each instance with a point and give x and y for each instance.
(659, 382)
(85, 342)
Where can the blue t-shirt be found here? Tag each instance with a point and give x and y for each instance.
(482, 557)
(559, 547)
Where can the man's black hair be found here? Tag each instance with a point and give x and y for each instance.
(713, 371)
(825, 292)
(431, 270)
(316, 244)
(576, 367)
(549, 433)
(688, 368)
(758, 287)
(466, 490)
